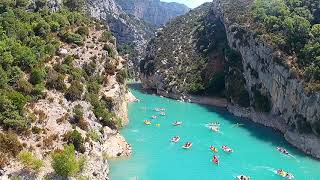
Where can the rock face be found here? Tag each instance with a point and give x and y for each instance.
(271, 93)
(129, 30)
(181, 61)
(133, 23)
(153, 11)
(297, 110)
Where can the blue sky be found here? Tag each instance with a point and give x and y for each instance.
(190, 3)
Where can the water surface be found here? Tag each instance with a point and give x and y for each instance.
(156, 158)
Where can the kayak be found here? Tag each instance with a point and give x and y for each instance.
(213, 149)
(214, 128)
(187, 145)
(177, 123)
(227, 149)
(147, 122)
(243, 177)
(158, 125)
(285, 174)
(283, 150)
(289, 176)
(175, 139)
(215, 160)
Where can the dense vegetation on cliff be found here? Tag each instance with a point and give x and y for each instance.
(28, 41)
(32, 63)
(294, 27)
(189, 52)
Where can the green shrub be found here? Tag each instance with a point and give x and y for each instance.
(93, 87)
(121, 76)
(109, 49)
(108, 102)
(68, 60)
(110, 68)
(83, 31)
(24, 86)
(37, 76)
(74, 92)
(90, 68)
(65, 162)
(36, 130)
(106, 36)
(38, 91)
(78, 112)
(10, 144)
(42, 28)
(105, 117)
(70, 37)
(3, 78)
(75, 138)
(29, 161)
(93, 135)
(11, 110)
(56, 81)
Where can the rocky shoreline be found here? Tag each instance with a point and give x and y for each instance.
(308, 143)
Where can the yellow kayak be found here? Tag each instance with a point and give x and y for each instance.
(147, 122)
(213, 149)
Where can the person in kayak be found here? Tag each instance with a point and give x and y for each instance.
(212, 148)
(227, 149)
(175, 139)
(283, 150)
(187, 145)
(215, 159)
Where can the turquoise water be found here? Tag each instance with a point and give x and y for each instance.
(156, 158)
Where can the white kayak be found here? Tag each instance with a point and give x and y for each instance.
(215, 129)
(283, 151)
(187, 145)
(243, 177)
(175, 139)
(177, 123)
(227, 149)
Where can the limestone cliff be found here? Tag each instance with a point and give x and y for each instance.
(133, 23)
(153, 11)
(256, 84)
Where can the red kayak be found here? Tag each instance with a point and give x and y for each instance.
(215, 160)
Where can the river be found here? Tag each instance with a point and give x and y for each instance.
(156, 158)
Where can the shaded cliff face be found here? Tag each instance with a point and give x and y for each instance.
(186, 54)
(131, 32)
(263, 89)
(282, 91)
(153, 11)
